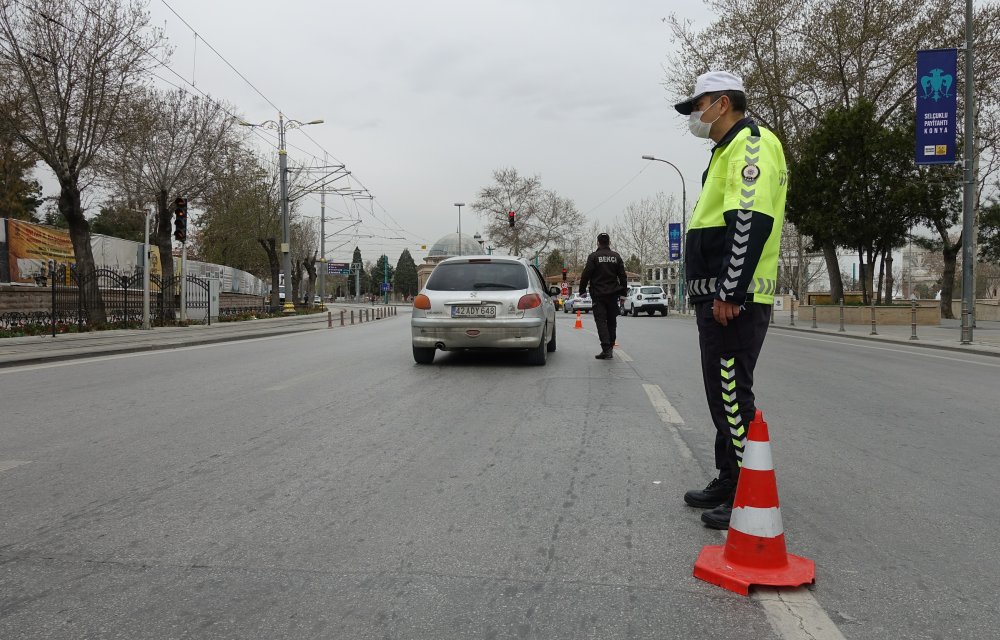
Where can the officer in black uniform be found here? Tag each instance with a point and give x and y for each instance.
(605, 273)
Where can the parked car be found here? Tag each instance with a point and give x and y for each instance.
(649, 298)
(576, 302)
(495, 302)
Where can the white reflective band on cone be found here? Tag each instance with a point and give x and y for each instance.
(757, 456)
(754, 521)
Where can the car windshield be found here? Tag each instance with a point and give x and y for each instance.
(648, 290)
(478, 276)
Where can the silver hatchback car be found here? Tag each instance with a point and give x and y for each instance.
(484, 302)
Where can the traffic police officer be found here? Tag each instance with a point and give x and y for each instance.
(731, 266)
(605, 273)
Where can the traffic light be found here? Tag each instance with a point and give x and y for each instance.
(180, 219)
(564, 274)
(510, 219)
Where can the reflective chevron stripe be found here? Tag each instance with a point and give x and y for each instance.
(706, 286)
(736, 428)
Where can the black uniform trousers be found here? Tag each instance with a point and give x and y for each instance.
(728, 357)
(606, 318)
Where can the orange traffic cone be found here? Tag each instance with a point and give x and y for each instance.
(754, 552)
(579, 322)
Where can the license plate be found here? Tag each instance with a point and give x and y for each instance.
(474, 311)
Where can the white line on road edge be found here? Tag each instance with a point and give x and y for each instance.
(662, 405)
(669, 416)
(6, 465)
(795, 614)
(624, 357)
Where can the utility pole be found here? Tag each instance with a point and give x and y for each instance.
(969, 193)
(145, 273)
(385, 276)
(322, 241)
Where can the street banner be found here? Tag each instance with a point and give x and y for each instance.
(32, 245)
(674, 235)
(937, 71)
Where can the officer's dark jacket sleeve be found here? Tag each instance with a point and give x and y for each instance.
(746, 232)
(622, 276)
(588, 271)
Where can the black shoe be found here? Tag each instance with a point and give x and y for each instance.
(717, 492)
(606, 354)
(718, 518)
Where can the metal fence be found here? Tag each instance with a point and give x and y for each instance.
(105, 299)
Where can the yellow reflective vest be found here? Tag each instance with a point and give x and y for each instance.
(734, 237)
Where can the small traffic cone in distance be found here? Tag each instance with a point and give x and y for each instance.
(579, 322)
(754, 552)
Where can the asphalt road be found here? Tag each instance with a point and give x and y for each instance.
(322, 485)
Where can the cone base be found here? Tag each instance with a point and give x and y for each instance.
(712, 566)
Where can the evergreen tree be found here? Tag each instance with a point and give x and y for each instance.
(19, 194)
(554, 264)
(405, 280)
(360, 278)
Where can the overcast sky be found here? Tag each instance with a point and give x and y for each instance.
(423, 100)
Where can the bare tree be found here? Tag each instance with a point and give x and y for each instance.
(795, 261)
(241, 219)
(165, 147)
(510, 192)
(642, 229)
(801, 58)
(71, 66)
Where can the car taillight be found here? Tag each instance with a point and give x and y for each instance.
(422, 302)
(529, 301)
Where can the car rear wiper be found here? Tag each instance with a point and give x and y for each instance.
(493, 285)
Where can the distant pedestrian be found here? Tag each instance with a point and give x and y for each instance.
(731, 264)
(605, 273)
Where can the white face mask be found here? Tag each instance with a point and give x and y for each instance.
(698, 128)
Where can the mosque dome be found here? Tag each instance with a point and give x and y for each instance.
(449, 246)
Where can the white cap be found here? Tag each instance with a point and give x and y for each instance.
(710, 83)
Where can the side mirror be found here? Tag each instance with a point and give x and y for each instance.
(554, 290)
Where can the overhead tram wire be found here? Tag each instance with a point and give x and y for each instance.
(160, 62)
(399, 228)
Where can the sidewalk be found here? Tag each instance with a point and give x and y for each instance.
(985, 336)
(947, 335)
(68, 346)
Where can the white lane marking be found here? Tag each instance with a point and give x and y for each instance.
(795, 614)
(862, 345)
(6, 465)
(669, 416)
(624, 357)
(663, 407)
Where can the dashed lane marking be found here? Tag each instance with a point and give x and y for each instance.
(663, 407)
(624, 357)
(669, 416)
(7, 465)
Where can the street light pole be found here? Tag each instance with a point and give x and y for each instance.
(681, 283)
(459, 205)
(322, 241)
(286, 256)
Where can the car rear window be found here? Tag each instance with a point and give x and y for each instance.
(649, 290)
(478, 276)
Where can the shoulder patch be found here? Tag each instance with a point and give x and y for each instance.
(750, 173)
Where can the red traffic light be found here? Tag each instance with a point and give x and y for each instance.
(510, 219)
(564, 273)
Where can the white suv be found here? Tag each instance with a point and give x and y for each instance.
(649, 298)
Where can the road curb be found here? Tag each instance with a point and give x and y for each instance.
(896, 341)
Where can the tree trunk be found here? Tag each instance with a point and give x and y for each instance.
(890, 283)
(79, 234)
(833, 270)
(950, 257)
(272, 261)
(881, 276)
(296, 282)
(163, 239)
